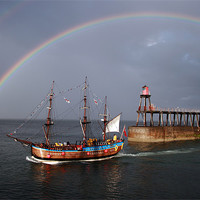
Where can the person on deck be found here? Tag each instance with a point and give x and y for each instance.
(115, 138)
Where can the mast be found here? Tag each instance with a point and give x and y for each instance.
(105, 119)
(49, 122)
(85, 110)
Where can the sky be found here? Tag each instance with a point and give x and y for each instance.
(118, 56)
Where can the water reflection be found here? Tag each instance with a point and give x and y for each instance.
(160, 146)
(44, 173)
(113, 178)
(145, 146)
(81, 180)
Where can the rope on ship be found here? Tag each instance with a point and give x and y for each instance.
(97, 102)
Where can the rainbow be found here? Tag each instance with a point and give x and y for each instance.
(88, 25)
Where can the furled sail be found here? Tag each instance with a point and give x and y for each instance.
(113, 125)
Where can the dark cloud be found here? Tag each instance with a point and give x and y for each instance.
(118, 57)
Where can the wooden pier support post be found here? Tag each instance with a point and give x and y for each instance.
(137, 119)
(159, 118)
(197, 120)
(152, 124)
(177, 119)
(174, 119)
(191, 120)
(162, 119)
(170, 119)
(184, 119)
(145, 114)
(144, 120)
(167, 119)
(180, 119)
(139, 109)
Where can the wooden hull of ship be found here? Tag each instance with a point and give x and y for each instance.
(93, 152)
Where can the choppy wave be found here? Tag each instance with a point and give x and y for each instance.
(158, 153)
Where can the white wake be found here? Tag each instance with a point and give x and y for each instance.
(54, 162)
(158, 153)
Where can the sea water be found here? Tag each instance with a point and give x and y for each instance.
(139, 171)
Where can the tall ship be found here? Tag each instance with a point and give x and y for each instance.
(108, 143)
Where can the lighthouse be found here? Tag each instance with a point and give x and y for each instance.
(144, 97)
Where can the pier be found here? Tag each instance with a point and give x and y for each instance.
(163, 124)
(166, 116)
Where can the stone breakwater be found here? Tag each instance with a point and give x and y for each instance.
(162, 133)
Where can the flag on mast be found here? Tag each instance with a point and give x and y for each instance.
(124, 131)
(95, 101)
(68, 101)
